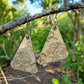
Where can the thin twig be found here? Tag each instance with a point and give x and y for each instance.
(36, 77)
(4, 65)
(3, 75)
(78, 74)
(14, 78)
(70, 15)
(5, 52)
(6, 56)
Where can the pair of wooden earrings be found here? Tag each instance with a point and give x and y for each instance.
(53, 50)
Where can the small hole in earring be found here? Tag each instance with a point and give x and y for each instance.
(27, 37)
(54, 28)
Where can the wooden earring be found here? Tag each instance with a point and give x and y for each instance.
(24, 58)
(54, 48)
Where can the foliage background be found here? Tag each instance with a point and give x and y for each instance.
(39, 29)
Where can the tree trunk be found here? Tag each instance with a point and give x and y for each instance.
(79, 32)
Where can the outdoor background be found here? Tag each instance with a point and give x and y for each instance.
(68, 23)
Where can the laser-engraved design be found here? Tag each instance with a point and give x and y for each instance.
(54, 48)
(24, 58)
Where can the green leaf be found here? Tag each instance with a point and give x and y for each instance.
(77, 43)
(80, 68)
(66, 79)
(55, 81)
(79, 82)
(77, 53)
(68, 64)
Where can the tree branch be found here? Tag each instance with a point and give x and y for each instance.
(70, 17)
(19, 21)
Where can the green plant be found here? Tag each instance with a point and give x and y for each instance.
(75, 61)
(79, 82)
(55, 81)
(65, 79)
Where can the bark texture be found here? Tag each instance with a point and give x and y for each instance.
(19, 21)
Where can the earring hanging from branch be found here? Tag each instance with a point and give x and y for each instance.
(24, 58)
